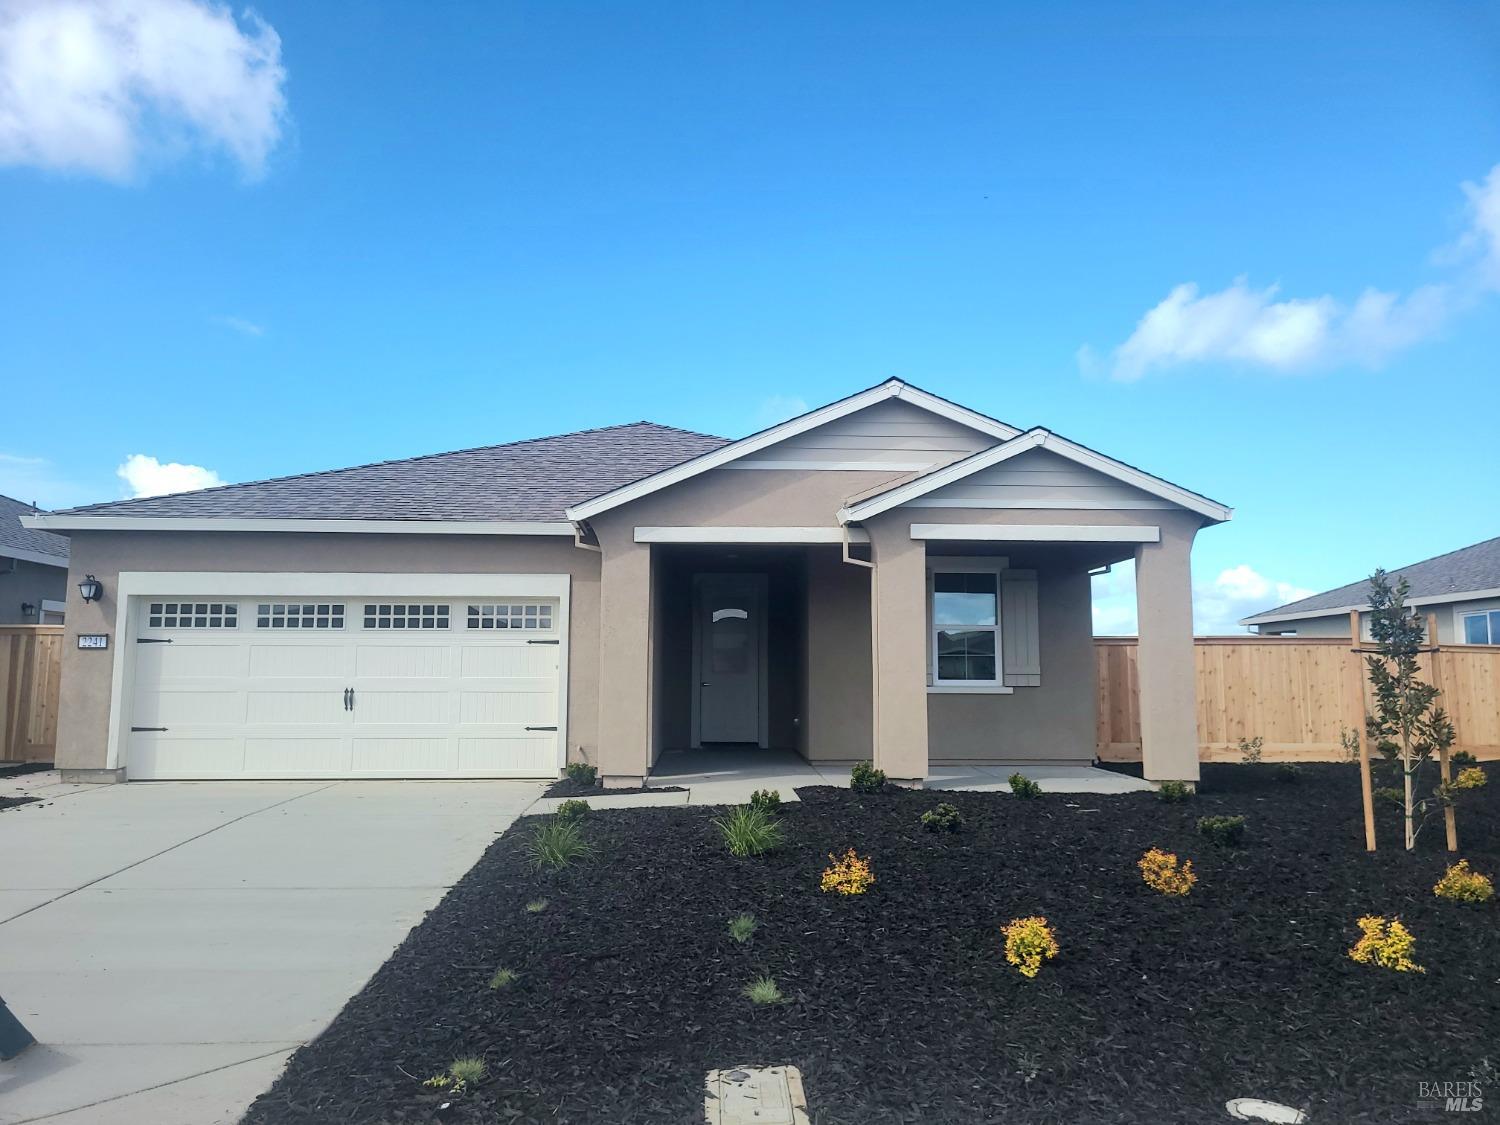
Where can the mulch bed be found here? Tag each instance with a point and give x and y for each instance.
(899, 1004)
(567, 787)
(16, 802)
(16, 769)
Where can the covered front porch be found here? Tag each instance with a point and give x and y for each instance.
(942, 652)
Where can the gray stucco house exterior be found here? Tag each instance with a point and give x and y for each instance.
(33, 569)
(1461, 589)
(892, 576)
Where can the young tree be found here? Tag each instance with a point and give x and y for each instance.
(1407, 727)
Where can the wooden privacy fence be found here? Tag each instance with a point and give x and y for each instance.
(1295, 693)
(30, 667)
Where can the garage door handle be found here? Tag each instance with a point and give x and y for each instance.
(540, 642)
(541, 728)
(137, 730)
(153, 640)
(348, 699)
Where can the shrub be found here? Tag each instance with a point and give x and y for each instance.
(467, 1071)
(741, 926)
(865, 778)
(557, 843)
(1173, 791)
(748, 830)
(1471, 778)
(763, 990)
(503, 978)
(1286, 772)
(1027, 942)
(848, 876)
(1161, 872)
(1460, 884)
(571, 810)
(1226, 831)
(536, 906)
(1023, 787)
(1462, 758)
(944, 818)
(1386, 943)
(1250, 750)
(582, 773)
(767, 800)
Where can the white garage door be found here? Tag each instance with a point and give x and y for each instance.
(318, 687)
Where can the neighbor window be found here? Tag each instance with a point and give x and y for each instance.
(965, 627)
(1482, 628)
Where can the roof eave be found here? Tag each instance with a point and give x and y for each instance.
(62, 523)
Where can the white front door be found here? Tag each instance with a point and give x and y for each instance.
(729, 657)
(351, 687)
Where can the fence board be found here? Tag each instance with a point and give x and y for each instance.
(1288, 691)
(30, 669)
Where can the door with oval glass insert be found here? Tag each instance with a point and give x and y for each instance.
(729, 649)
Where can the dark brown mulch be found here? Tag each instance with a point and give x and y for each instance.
(16, 769)
(16, 802)
(567, 787)
(899, 1004)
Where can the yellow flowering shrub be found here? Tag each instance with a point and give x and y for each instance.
(1162, 872)
(1387, 943)
(850, 875)
(1027, 942)
(1461, 884)
(1471, 778)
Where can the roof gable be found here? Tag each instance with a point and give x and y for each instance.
(740, 451)
(914, 491)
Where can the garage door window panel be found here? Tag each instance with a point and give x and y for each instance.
(510, 615)
(406, 615)
(299, 615)
(193, 615)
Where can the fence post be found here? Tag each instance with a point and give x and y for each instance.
(1450, 821)
(1357, 713)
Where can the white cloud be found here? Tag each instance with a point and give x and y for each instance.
(1218, 604)
(241, 325)
(146, 476)
(91, 86)
(1253, 327)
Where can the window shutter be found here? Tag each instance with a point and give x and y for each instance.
(1020, 639)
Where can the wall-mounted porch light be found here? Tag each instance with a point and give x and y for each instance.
(91, 589)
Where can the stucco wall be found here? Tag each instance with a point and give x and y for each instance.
(840, 691)
(83, 714)
(29, 582)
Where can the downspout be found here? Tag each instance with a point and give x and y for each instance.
(579, 528)
(848, 558)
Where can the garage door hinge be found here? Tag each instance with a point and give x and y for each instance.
(541, 728)
(541, 642)
(135, 730)
(153, 640)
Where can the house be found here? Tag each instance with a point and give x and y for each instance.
(1461, 588)
(33, 569)
(891, 576)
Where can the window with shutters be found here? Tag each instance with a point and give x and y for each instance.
(964, 613)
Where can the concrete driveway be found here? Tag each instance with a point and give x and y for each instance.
(171, 943)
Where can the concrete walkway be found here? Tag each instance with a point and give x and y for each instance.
(171, 943)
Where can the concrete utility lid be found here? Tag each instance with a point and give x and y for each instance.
(751, 1095)
(1254, 1109)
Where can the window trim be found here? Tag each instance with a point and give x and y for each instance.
(978, 564)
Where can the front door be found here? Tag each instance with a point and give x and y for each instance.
(729, 645)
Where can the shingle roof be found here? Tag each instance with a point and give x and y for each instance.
(14, 537)
(1458, 573)
(522, 480)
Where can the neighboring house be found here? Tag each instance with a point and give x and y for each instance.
(892, 576)
(1461, 588)
(33, 569)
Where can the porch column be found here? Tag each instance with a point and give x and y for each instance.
(1164, 611)
(898, 626)
(624, 657)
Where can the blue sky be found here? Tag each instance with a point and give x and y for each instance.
(307, 236)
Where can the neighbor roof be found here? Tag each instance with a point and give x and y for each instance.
(532, 480)
(1467, 572)
(27, 544)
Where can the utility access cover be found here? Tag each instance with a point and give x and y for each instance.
(755, 1095)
